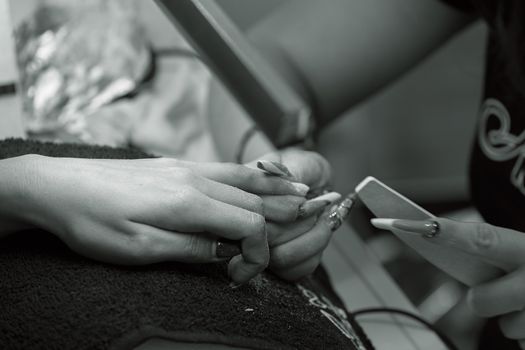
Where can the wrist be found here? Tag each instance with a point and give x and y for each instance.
(18, 187)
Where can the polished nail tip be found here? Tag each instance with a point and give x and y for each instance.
(274, 168)
(426, 228)
(330, 196)
(383, 224)
(282, 168)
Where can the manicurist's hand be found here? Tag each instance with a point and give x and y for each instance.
(298, 239)
(144, 211)
(501, 247)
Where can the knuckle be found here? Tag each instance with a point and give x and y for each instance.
(183, 196)
(257, 225)
(257, 204)
(486, 237)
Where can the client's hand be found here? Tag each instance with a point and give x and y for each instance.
(501, 247)
(297, 240)
(149, 210)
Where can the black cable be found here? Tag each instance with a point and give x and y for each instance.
(376, 310)
(248, 134)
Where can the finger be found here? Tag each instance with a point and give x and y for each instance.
(305, 246)
(513, 325)
(281, 233)
(308, 167)
(234, 223)
(192, 211)
(274, 168)
(139, 244)
(281, 208)
(521, 342)
(305, 166)
(189, 210)
(300, 270)
(499, 296)
(245, 178)
(241, 270)
(503, 247)
(229, 194)
(150, 245)
(247, 227)
(318, 204)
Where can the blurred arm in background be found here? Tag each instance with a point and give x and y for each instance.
(336, 54)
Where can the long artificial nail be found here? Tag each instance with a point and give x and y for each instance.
(300, 189)
(311, 207)
(426, 228)
(330, 196)
(317, 204)
(316, 192)
(227, 249)
(274, 168)
(340, 212)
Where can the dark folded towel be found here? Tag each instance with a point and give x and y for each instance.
(52, 298)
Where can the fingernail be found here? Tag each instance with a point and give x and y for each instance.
(300, 189)
(274, 168)
(427, 228)
(339, 213)
(311, 207)
(317, 204)
(235, 285)
(330, 196)
(317, 191)
(227, 249)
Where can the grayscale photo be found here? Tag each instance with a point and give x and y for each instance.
(262, 174)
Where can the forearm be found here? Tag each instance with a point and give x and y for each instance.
(337, 53)
(16, 181)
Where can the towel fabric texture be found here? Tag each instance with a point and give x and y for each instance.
(52, 298)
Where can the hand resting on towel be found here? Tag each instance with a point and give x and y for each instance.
(147, 210)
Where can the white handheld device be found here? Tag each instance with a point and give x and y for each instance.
(385, 202)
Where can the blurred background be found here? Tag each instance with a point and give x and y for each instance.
(143, 86)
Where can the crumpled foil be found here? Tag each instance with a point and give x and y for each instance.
(75, 57)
